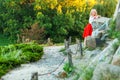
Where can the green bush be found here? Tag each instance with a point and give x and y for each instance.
(106, 7)
(112, 32)
(68, 69)
(13, 55)
(4, 69)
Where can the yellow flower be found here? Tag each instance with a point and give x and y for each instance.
(37, 7)
(59, 9)
(52, 6)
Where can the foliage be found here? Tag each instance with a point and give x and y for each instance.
(15, 15)
(88, 73)
(4, 69)
(59, 18)
(112, 32)
(106, 7)
(5, 41)
(68, 69)
(34, 33)
(13, 55)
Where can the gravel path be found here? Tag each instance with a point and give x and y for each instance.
(50, 62)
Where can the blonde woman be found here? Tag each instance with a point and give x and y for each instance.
(88, 29)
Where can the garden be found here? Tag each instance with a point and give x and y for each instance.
(31, 31)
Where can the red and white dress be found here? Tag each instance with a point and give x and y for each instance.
(88, 28)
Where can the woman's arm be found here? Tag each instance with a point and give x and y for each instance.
(91, 19)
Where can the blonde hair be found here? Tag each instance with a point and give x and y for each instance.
(93, 10)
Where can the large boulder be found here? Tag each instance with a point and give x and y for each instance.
(106, 72)
(116, 61)
(90, 42)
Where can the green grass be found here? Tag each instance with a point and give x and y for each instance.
(12, 56)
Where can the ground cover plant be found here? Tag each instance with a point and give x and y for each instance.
(12, 56)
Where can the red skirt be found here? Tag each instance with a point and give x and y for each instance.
(87, 30)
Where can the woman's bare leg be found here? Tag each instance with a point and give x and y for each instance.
(84, 42)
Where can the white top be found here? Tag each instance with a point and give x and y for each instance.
(92, 18)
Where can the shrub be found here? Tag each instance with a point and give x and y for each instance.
(68, 69)
(106, 7)
(112, 32)
(14, 55)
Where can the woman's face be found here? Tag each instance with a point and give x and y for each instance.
(93, 13)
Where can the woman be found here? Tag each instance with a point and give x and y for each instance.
(88, 29)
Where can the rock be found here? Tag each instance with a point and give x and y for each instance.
(95, 33)
(106, 72)
(107, 54)
(116, 58)
(116, 61)
(34, 76)
(116, 10)
(62, 75)
(90, 42)
(118, 22)
(104, 56)
(49, 42)
(102, 25)
(99, 42)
